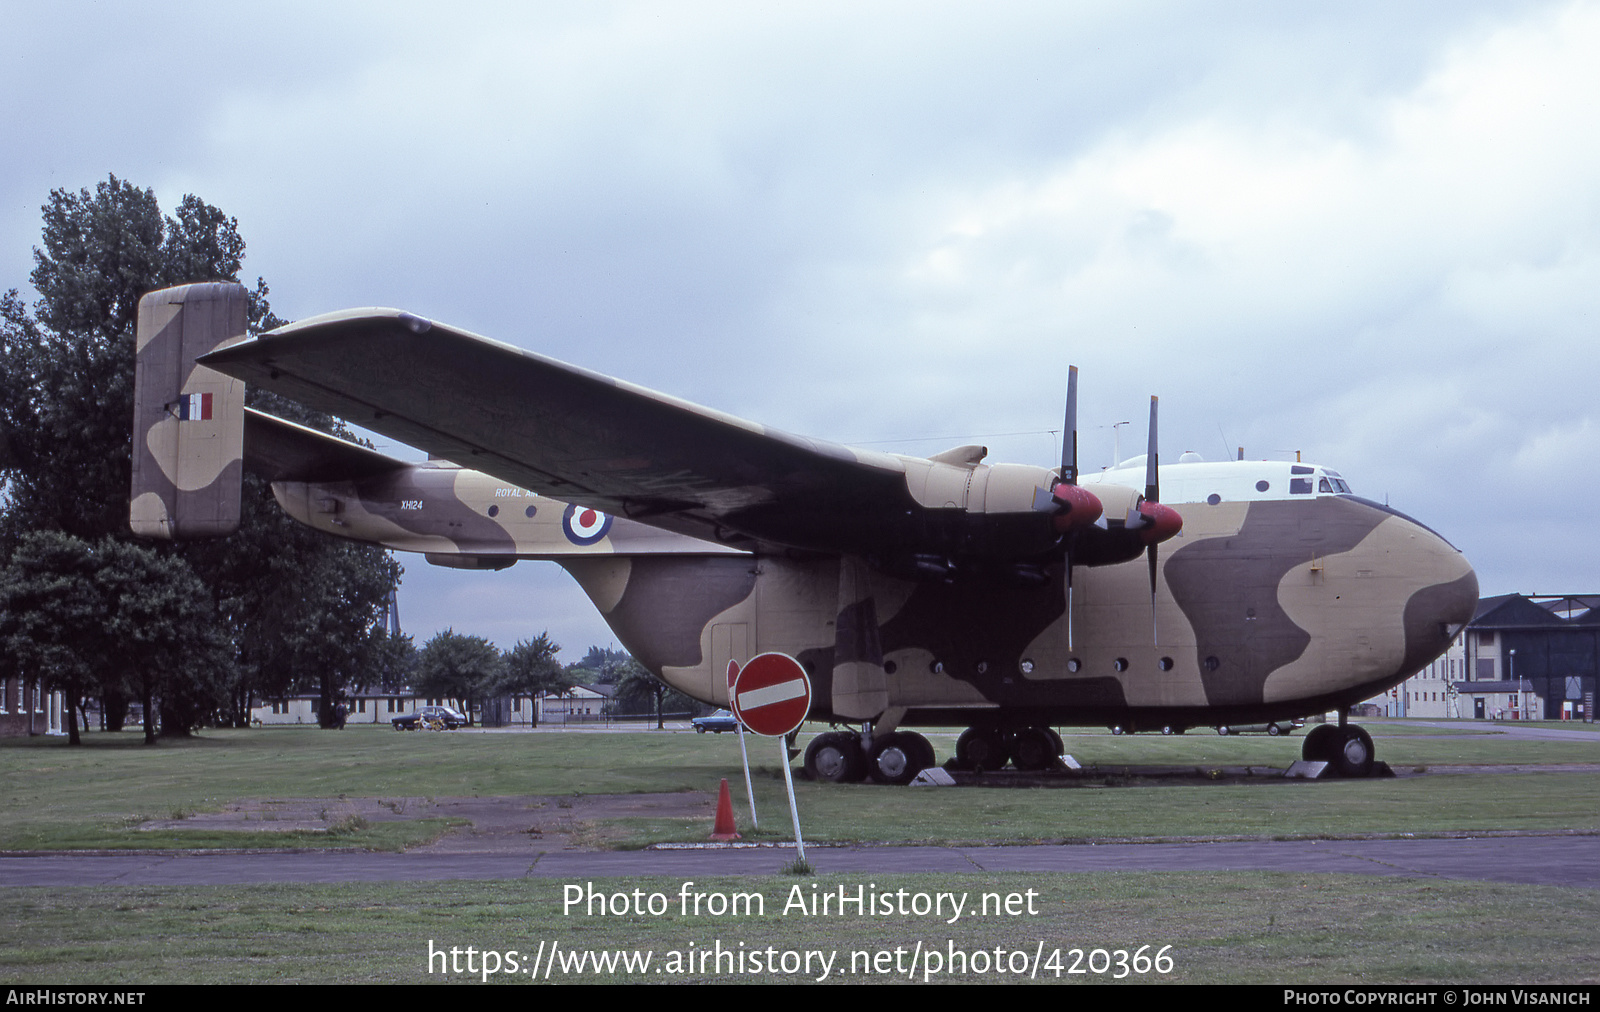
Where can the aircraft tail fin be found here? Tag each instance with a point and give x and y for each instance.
(188, 421)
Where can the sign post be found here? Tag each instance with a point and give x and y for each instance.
(771, 696)
(744, 754)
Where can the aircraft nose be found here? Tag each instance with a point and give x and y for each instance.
(1436, 613)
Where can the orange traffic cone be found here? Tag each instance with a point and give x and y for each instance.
(724, 829)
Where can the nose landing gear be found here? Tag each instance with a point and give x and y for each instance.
(1346, 748)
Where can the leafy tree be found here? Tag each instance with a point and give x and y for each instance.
(531, 668)
(639, 690)
(83, 617)
(66, 409)
(458, 667)
(331, 636)
(50, 619)
(393, 661)
(166, 636)
(304, 610)
(600, 665)
(68, 368)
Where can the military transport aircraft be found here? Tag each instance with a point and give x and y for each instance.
(1003, 598)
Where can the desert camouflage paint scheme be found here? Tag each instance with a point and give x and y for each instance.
(914, 590)
(186, 447)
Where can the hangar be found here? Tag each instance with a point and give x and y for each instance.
(1522, 657)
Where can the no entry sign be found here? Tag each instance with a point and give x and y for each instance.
(771, 695)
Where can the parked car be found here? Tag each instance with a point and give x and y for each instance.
(450, 717)
(1275, 728)
(717, 722)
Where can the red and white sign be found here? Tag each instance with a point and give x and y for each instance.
(771, 695)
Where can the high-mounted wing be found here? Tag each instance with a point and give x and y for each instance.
(579, 436)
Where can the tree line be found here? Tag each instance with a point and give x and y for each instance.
(197, 633)
(472, 669)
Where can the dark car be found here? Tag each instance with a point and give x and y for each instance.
(1275, 728)
(449, 717)
(717, 722)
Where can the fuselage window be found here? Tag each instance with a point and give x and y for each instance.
(1262, 486)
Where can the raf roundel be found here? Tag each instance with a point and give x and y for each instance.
(583, 525)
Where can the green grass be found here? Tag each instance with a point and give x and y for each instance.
(1222, 928)
(59, 797)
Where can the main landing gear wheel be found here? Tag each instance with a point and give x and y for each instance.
(1033, 749)
(897, 758)
(836, 757)
(981, 748)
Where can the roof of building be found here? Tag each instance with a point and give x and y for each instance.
(1503, 685)
(1512, 610)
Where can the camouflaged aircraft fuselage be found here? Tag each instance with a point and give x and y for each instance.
(914, 591)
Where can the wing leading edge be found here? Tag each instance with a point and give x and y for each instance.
(579, 436)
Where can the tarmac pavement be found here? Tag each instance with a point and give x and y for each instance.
(1572, 861)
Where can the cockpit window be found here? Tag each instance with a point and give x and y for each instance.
(1299, 486)
(1323, 486)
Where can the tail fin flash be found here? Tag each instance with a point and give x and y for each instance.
(188, 421)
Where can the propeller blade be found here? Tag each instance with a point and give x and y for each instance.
(1069, 430)
(1152, 493)
(1152, 479)
(1069, 599)
(1150, 554)
(1080, 501)
(1072, 504)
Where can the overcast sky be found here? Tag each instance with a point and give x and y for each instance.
(1367, 232)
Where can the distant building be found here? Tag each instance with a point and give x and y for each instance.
(26, 709)
(1520, 658)
(584, 704)
(361, 708)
